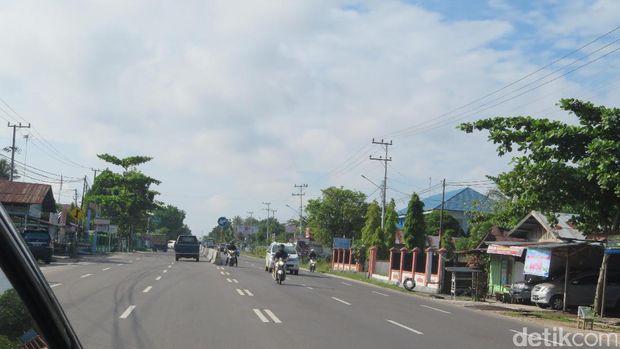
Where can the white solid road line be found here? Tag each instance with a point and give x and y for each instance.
(403, 326)
(260, 315)
(229, 280)
(104, 269)
(248, 292)
(344, 283)
(379, 293)
(548, 341)
(56, 285)
(341, 301)
(273, 316)
(235, 281)
(127, 312)
(435, 309)
(158, 278)
(146, 290)
(240, 292)
(85, 276)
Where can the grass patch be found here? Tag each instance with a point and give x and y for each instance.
(543, 315)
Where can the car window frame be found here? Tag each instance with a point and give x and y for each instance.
(22, 271)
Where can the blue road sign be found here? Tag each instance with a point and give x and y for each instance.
(222, 221)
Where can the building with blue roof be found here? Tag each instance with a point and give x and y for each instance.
(457, 203)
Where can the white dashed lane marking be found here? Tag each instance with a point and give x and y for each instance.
(85, 276)
(240, 292)
(127, 312)
(148, 289)
(341, 301)
(403, 326)
(165, 271)
(158, 278)
(381, 294)
(56, 285)
(435, 309)
(260, 315)
(104, 269)
(235, 281)
(344, 283)
(248, 292)
(273, 316)
(229, 280)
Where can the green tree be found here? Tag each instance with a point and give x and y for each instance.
(389, 235)
(168, 219)
(125, 197)
(5, 170)
(371, 232)
(414, 231)
(338, 212)
(563, 167)
(450, 224)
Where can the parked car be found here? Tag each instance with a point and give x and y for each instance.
(292, 263)
(581, 290)
(187, 246)
(521, 291)
(40, 244)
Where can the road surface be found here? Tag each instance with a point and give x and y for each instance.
(147, 300)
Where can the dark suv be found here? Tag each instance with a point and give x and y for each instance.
(40, 244)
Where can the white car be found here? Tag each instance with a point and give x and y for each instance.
(292, 263)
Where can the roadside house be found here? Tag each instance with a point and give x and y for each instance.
(30, 205)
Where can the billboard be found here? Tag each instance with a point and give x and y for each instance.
(537, 262)
(247, 229)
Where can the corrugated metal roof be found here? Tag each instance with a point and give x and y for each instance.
(463, 200)
(564, 229)
(26, 193)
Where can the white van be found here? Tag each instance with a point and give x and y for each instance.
(292, 263)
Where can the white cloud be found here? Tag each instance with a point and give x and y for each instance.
(239, 101)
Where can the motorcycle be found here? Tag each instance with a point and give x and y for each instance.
(232, 258)
(279, 271)
(312, 265)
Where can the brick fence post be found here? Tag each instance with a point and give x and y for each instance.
(372, 260)
(402, 264)
(390, 262)
(414, 261)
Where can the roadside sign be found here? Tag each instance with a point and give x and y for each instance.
(155, 220)
(76, 213)
(342, 243)
(222, 221)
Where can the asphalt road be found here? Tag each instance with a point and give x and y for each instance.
(147, 300)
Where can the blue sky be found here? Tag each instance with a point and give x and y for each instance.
(239, 103)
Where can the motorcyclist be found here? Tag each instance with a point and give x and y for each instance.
(280, 253)
(312, 254)
(231, 247)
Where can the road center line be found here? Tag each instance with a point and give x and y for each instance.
(341, 301)
(127, 312)
(146, 290)
(403, 326)
(379, 293)
(273, 316)
(235, 281)
(158, 278)
(228, 279)
(85, 276)
(104, 269)
(56, 285)
(344, 283)
(248, 292)
(240, 292)
(435, 309)
(260, 315)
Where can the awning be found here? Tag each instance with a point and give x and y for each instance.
(515, 251)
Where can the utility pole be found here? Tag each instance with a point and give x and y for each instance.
(60, 189)
(268, 204)
(75, 197)
(273, 216)
(443, 196)
(27, 138)
(94, 174)
(251, 213)
(385, 161)
(83, 193)
(15, 127)
(301, 205)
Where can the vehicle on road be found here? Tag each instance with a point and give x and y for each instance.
(292, 263)
(312, 265)
(159, 242)
(232, 260)
(580, 291)
(279, 272)
(210, 243)
(222, 247)
(187, 246)
(40, 244)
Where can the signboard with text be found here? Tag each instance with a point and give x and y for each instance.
(342, 243)
(537, 262)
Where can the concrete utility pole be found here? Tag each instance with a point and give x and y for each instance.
(443, 196)
(15, 127)
(385, 161)
(268, 204)
(301, 205)
(94, 174)
(60, 189)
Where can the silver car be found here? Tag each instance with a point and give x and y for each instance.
(581, 290)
